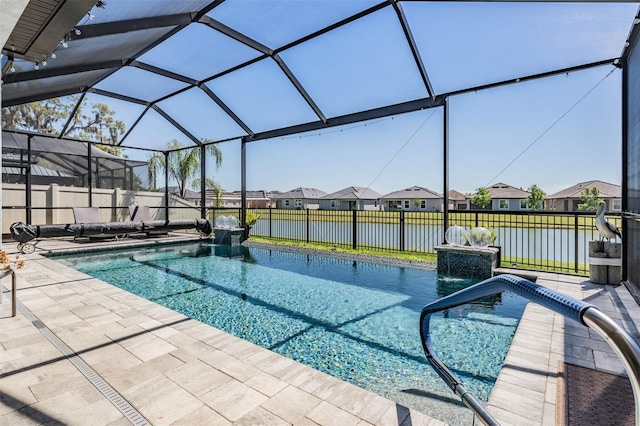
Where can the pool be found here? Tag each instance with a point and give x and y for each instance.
(355, 320)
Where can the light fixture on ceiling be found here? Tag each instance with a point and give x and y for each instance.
(53, 55)
(91, 16)
(636, 21)
(36, 66)
(12, 69)
(77, 31)
(64, 43)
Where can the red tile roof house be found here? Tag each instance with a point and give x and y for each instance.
(506, 198)
(568, 199)
(414, 199)
(351, 198)
(299, 198)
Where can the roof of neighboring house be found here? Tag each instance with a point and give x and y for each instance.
(307, 193)
(502, 190)
(455, 195)
(261, 194)
(607, 190)
(413, 192)
(353, 193)
(188, 194)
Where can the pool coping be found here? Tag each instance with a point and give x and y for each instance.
(524, 393)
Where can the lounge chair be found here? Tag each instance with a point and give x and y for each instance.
(91, 215)
(143, 214)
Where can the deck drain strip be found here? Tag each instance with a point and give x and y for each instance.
(127, 410)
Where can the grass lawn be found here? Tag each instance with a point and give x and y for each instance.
(418, 257)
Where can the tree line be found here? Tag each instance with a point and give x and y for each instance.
(589, 197)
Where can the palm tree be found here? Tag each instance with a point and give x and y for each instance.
(183, 165)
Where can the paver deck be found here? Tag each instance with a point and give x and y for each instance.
(175, 370)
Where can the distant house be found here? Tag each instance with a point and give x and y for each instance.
(458, 201)
(351, 198)
(507, 197)
(255, 199)
(414, 199)
(568, 199)
(189, 195)
(299, 198)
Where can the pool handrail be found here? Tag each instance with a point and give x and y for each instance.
(589, 315)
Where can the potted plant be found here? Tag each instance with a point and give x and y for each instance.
(250, 219)
(493, 245)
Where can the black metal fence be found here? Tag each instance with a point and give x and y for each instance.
(546, 241)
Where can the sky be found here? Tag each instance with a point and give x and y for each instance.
(552, 132)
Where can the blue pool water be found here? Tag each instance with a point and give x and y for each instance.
(357, 321)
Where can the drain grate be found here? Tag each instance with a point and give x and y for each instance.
(127, 410)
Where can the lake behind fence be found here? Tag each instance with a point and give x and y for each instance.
(546, 241)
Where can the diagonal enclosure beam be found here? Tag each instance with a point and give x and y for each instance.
(412, 45)
(334, 26)
(237, 36)
(226, 109)
(176, 124)
(163, 72)
(118, 96)
(133, 126)
(633, 37)
(292, 78)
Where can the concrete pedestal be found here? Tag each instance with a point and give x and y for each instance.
(229, 236)
(467, 262)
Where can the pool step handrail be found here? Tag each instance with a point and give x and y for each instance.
(589, 315)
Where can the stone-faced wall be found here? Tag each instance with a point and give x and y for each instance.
(467, 262)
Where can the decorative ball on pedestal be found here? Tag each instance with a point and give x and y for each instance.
(456, 235)
(479, 237)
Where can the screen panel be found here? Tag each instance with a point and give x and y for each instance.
(631, 191)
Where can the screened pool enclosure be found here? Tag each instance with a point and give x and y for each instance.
(249, 73)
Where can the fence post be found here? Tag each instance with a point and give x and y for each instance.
(270, 226)
(476, 219)
(354, 229)
(401, 230)
(575, 241)
(307, 226)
